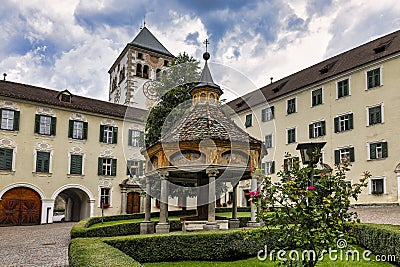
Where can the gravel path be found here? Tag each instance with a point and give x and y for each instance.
(39, 245)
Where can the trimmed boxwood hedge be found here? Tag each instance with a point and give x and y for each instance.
(381, 239)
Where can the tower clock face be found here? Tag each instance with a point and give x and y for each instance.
(149, 92)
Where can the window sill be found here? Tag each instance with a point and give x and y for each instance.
(80, 141)
(375, 87)
(7, 172)
(288, 114)
(371, 125)
(106, 176)
(316, 105)
(344, 131)
(9, 131)
(108, 144)
(42, 174)
(377, 159)
(76, 176)
(45, 136)
(342, 97)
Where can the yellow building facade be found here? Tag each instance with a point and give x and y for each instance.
(350, 101)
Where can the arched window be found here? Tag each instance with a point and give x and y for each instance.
(212, 98)
(202, 98)
(158, 74)
(146, 71)
(139, 70)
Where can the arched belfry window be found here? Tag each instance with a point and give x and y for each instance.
(139, 70)
(212, 98)
(146, 71)
(202, 98)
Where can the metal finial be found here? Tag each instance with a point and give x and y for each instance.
(4, 75)
(206, 42)
(206, 55)
(271, 79)
(144, 21)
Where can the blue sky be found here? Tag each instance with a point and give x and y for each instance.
(72, 44)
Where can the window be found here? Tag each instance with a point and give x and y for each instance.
(316, 97)
(249, 120)
(107, 167)
(373, 78)
(291, 135)
(343, 123)
(45, 125)
(343, 88)
(267, 114)
(317, 129)
(108, 134)
(76, 164)
(268, 141)
(42, 161)
(344, 153)
(6, 158)
(134, 168)
(269, 167)
(291, 163)
(9, 120)
(78, 130)
(378, 150)
(136, 138)
(140, 55)
(377, 186)
(166, 63)
(375, 115)
(105, 196)
(291, 106)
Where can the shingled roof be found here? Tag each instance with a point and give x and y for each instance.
(354, 58)
(205, 121)
(79, 103)
(146, 40)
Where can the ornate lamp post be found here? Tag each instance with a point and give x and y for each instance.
(310, 154)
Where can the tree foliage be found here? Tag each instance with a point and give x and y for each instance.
(314, 213)
(172, 89)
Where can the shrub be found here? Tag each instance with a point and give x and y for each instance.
(380, 239)
(91, 252)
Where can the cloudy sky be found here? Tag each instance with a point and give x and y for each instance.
(71, 44)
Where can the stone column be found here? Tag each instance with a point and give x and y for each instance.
(124, 198)
(163, 225)
(211, 223)
(234, 221)
(147, 226)
(253, 221)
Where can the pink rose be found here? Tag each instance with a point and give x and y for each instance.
(311, 187)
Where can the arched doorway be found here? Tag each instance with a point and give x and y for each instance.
(133, 203)
(20, 206)
(78, 202)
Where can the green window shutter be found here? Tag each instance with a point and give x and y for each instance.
(263, 115)
(337, 156)
(323, 124)
(115, 135)
(37, 123)
(384, 150)
(42, 161)
(336, 122)
(351, 123)
(53, 126)
(372, 151)
(141, 139)
(352, 158)
(141, 169)
(310, 131)
(76, 164)
(85, 130)
(273, 111)
(273, 167)
(6, 159)
(130, 138)
(16, 121)
(100, 166)
(70, 128)
(101, 137)
(114, 167)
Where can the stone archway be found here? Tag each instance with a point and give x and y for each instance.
(20, 206)
(79, 202)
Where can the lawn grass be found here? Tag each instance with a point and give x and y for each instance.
(256, 262)
(171, 218)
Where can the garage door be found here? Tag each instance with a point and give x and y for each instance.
(20, 206)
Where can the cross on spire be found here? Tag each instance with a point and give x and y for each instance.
(206, 42)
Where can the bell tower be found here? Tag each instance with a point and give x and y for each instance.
(141, 62)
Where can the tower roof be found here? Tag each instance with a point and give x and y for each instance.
(206, 80)
(146, 40)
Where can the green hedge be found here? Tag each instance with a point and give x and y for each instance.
(381, 239)
(92, 252)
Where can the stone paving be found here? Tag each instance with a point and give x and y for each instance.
(47, 245)
(38, 245)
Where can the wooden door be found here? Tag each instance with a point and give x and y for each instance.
(20, 206)
(133, 203)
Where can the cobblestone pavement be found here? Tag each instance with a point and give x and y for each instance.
(38, 245)
(379, 214)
